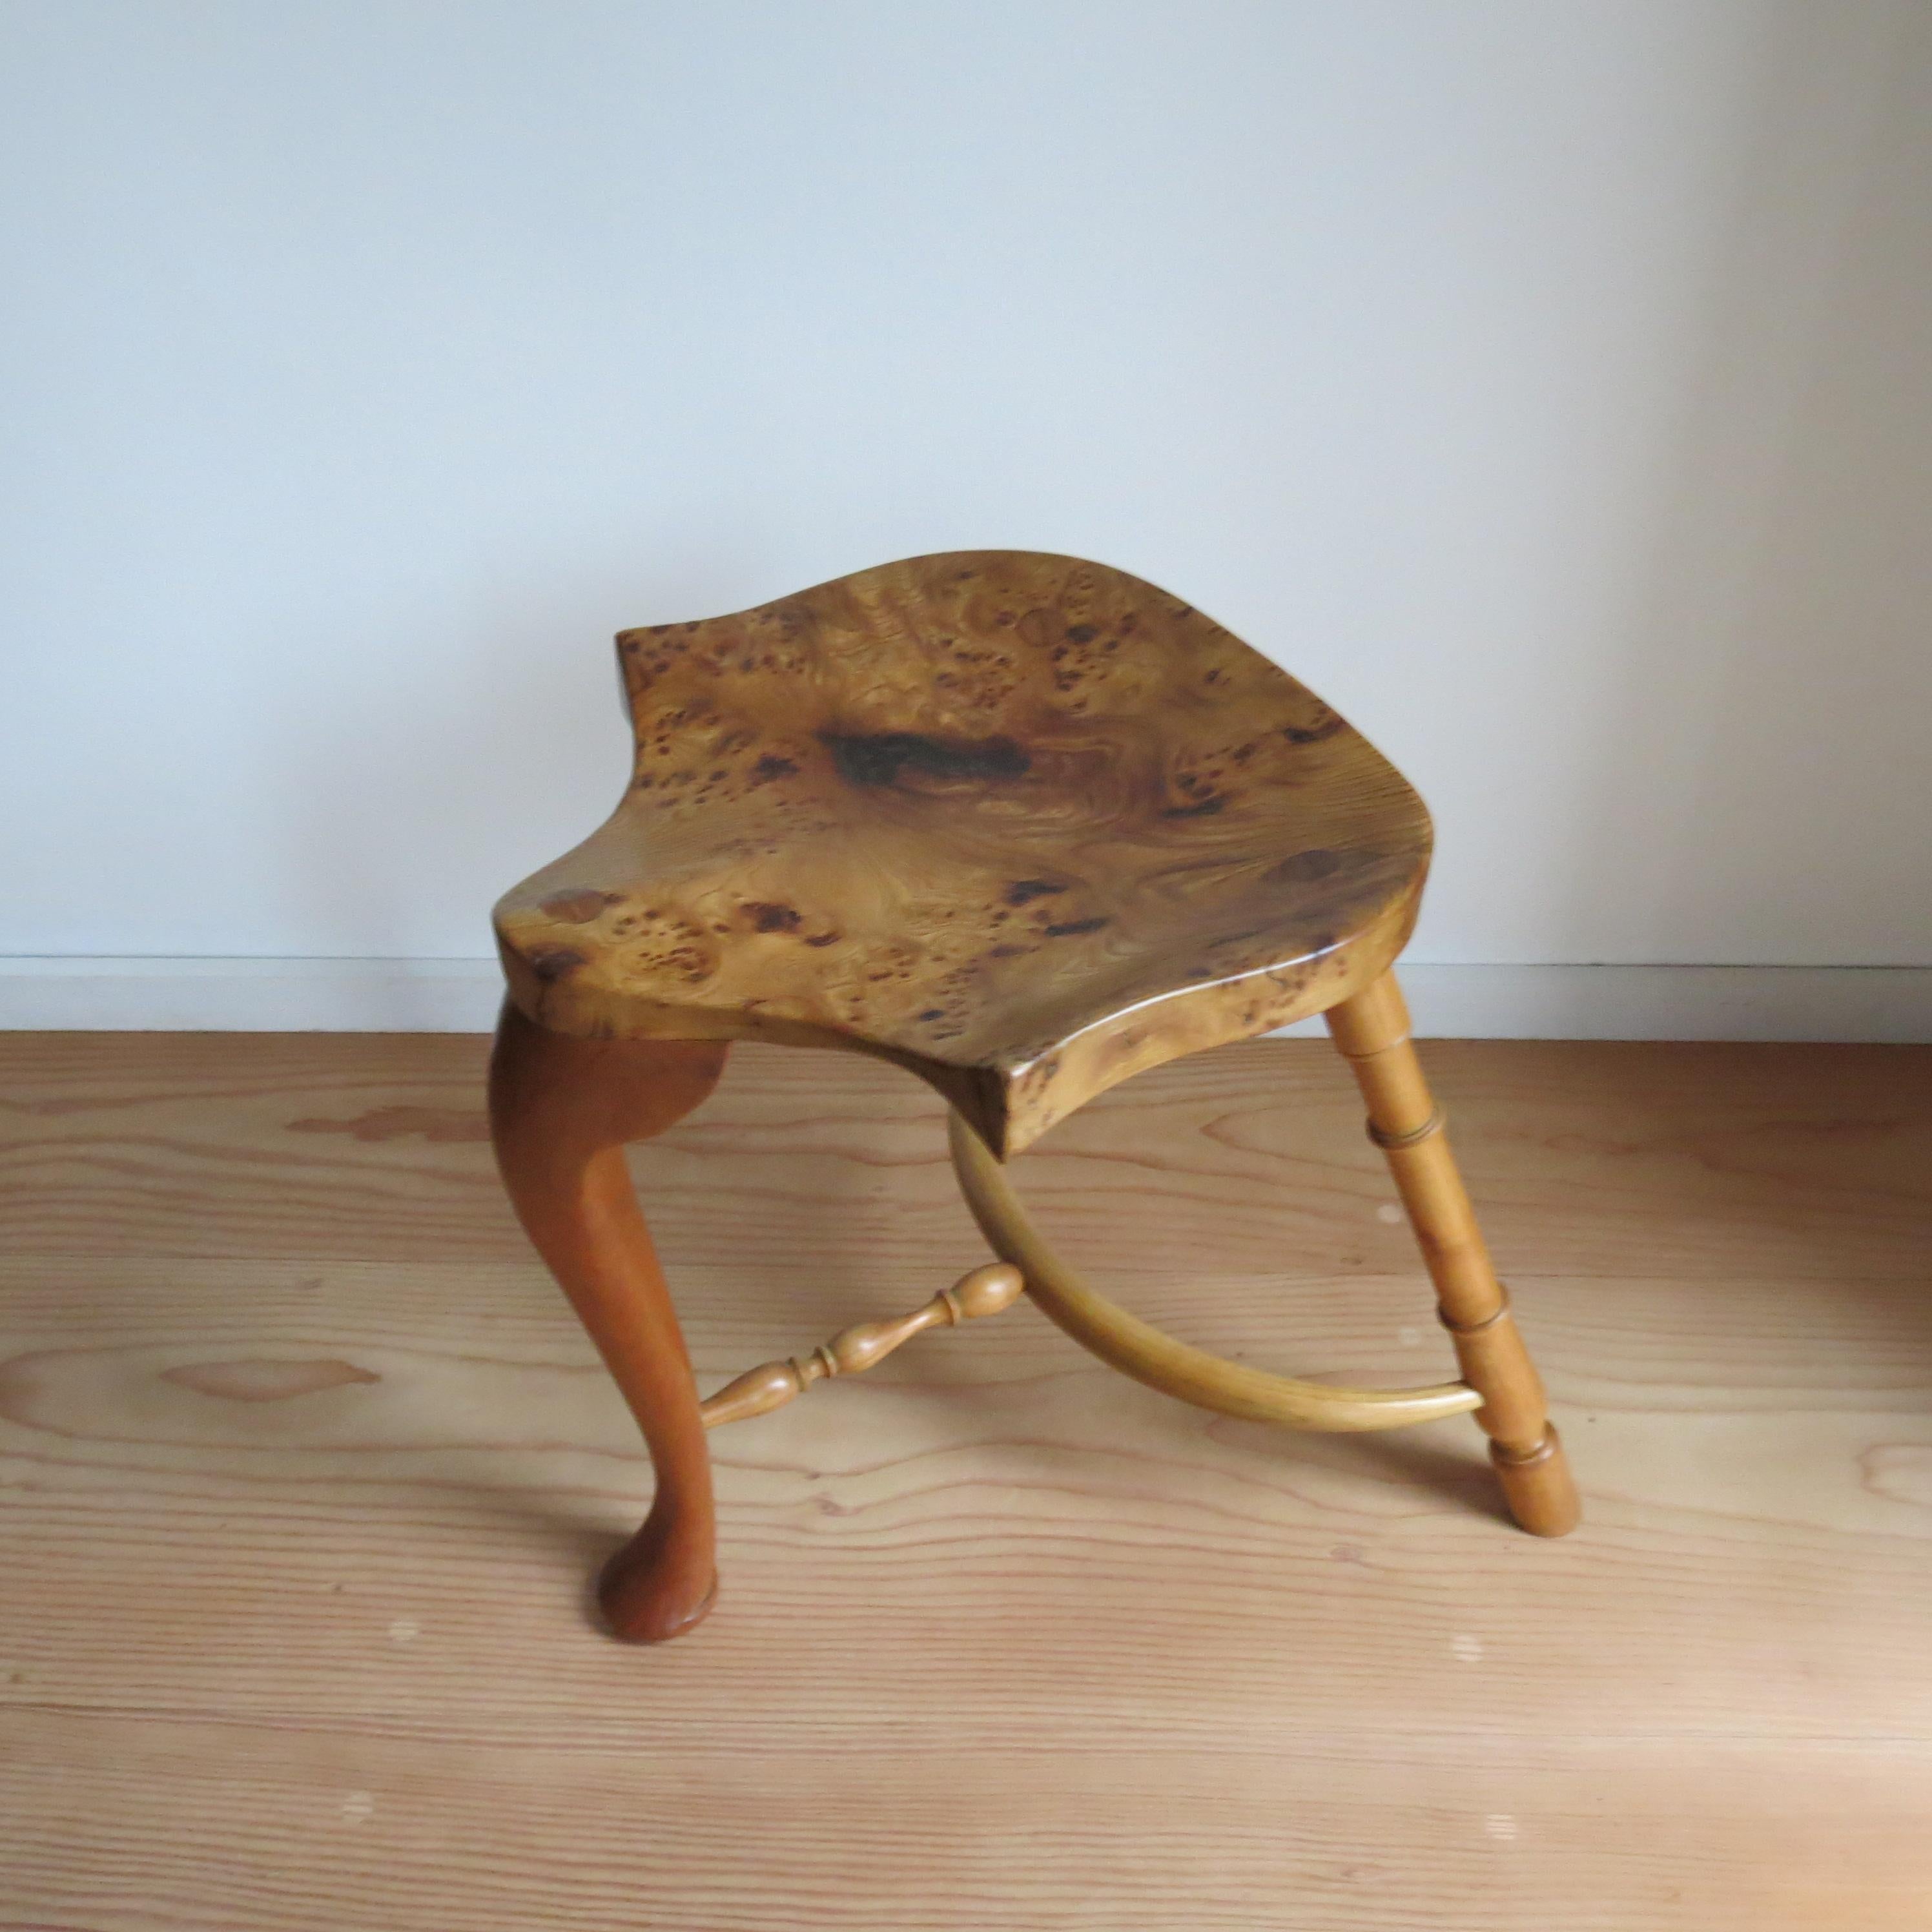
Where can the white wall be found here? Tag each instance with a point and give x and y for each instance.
(1545, 383)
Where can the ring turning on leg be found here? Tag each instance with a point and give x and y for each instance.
(1372, 1031)
(1137, 1349)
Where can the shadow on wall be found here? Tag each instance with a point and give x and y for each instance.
(1790, 559)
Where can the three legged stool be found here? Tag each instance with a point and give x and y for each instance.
(1024, 825)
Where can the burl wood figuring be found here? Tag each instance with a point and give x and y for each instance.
(1024, 825)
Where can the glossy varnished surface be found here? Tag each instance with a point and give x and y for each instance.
(1025, 824)
(303, 1463)
(561, 1111)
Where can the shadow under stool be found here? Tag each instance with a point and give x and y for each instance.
(1024, 826)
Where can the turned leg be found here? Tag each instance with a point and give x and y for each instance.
(1372, 1031)
(561, 1110)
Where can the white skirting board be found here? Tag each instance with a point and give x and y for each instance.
(1821, 1003)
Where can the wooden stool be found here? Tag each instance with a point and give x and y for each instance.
(1024, 826)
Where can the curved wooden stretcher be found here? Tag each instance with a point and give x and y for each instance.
(1024, 825)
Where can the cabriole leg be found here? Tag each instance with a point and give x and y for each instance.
(561, 1111)
(1372, 1031)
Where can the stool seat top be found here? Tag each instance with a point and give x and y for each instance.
(1023, 824)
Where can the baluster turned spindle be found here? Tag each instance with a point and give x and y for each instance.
(986, 1291)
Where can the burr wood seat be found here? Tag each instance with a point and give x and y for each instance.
(1022, 824)
(1025, 826)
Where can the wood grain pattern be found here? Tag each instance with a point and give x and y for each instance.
(1023, 824)
(282, 1651)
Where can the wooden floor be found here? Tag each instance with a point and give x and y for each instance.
(305, 1465)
